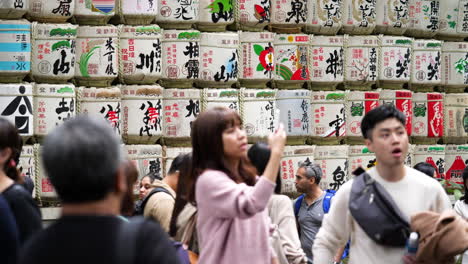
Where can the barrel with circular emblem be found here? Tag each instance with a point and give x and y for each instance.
(288, 16)
(395, 61)
(424, 18)
(452, 20)
(456, 118)
(361, 62)
(295, 114)
(426, 65)
(258, 112)
(293, 157)
(357, 105)
(257, 59)
(292, 58)
(428, 118)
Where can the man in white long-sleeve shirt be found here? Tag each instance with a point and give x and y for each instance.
(384, 132)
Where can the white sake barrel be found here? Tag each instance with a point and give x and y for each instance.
(13, 9)
(15, 50)
(456, 159)
(170, 153)
(44, 188)
(221, 98)
(257, 59)
(432, 154)
(453, 23)
(323, 17)
(53, 52)
(409, 156)
(215, 15)
(97, 55)
(428, 117)
(288, 16)
(142, 113)
(326, 62)
(181, 108)
(395, 61)
(294, 107)
(180, 58)
(456, 118)
(147, 158)
(252, 15)
(292, 58)
(402, 100)
(361, 62)
(328, 117)
(455, 66)
(136, 12)
(16, 105)
(425, 65)
(424, 18)
(292, 158)
(357, 105)
(27, 165)
(218, 59)
(53, 105)
(360, 156)
(177, 14)
(359, 16)
(392, 17)
(140, 54)
(51, 11)
(94, 12)
(103, 102)
(258, 112)
(333, 161)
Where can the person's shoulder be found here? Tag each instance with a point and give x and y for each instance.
(280, 200)
(38, 243)
(212, 177)
(17, 191)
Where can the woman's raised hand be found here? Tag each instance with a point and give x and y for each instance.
(277, 140)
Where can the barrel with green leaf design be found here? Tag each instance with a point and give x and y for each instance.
(292, 60)
(257, 62)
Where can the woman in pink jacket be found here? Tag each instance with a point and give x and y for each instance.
(232, 224)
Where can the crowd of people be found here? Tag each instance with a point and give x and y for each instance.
(222, 202)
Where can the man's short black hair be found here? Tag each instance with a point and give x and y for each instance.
(380, 114)
(176, 163)
(425, 168)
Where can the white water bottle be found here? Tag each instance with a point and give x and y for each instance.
(412, 244)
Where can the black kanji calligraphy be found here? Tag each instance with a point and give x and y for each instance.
(433, 68)
(60, 65)
(23, 105)
(402, 64)
(152, 117)
(63, 8)
(193, 108)
(151, 61)
(298, 11)
(338, 178)
(109, 54)
(192, 50)
(335, 63)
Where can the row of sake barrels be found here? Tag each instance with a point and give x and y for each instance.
(337, 163)
(143, 114)
(96, 56)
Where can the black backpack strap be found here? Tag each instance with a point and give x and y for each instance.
(127, 240)
(141, 208)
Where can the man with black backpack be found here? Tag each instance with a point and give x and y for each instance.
(373, 209)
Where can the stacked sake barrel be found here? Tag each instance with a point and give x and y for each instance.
(318, 66)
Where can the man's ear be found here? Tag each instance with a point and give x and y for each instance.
(369, 145)
(121, 181)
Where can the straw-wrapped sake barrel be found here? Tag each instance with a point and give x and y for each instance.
(140, 12)
(13, 9)
(295, 114)
(45, 191)
(361, 62)
(288, 16)
(425, 66)
(360, 156)
(53, 105)
(356, 106)
(220, 98)
(333, 160)
(453, 23)
(140, 54)
(252, 15)
(215, 15)
(323, 17)
(53, 52)
(328, 117)
(258, 112)
(142, 113)
(147, 158)
(105, 102)
(48, 11)
(292, 58)
(456, 118)
(27, 165)
(292, 158)
(170, 153)
(424, 18)
(17, 105)
(15, 50)
(177, 14)
(401, 100)
(456, 159)
(432, 154)
(455, 66)
(359, 16)
(392, 17)
(395, 61)
(326, 62)
(181, 108)
(257, 60)
(180, 58)
(95, 12)
(97, 55)
(218, 59)
(428, 117)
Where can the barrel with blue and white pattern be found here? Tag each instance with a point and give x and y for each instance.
(15, 50)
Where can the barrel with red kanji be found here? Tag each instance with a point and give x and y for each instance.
(432, 154)
(293, 157)
(456, 159)
(327, 62)
(428, 117)
(424, 18)
(401, 100)
(333, 161)
(292, 60)
(357, 105)
(361, 62)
